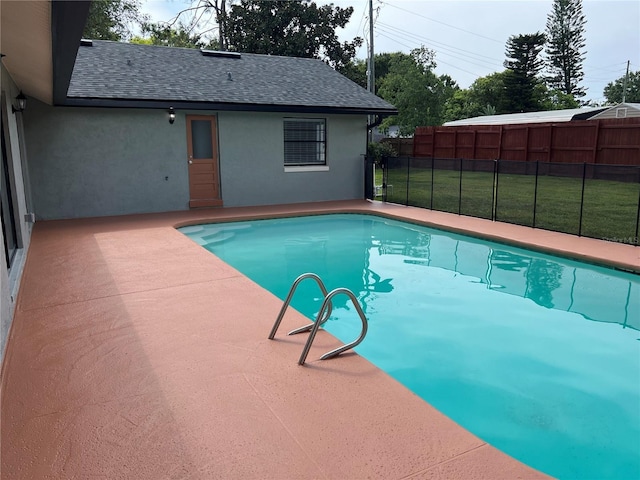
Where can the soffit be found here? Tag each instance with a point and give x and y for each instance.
(26, 43)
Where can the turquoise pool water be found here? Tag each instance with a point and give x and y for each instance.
(537, 355)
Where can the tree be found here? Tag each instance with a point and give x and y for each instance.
(459, 106)
(222, 19)
(291, 28)
(356, 71)
(162, 34)
(613, 90)
(489, 110)
(113, 19)
(198, 11)
(487, 92)
(523, 64)
(565, 47)
(410, 84)
(485, 96)
(488, 96)
(523, 54)
(550, 99)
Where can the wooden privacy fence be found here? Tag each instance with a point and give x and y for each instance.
(606, 141)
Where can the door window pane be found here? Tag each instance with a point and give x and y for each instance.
(201, 139)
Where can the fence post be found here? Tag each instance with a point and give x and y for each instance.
(460, 188)
(494, 200)
(584, 176)
(535, 195)
(433, 162)
(637, 243)
(408, 172)
(384, 163)
(369, 179)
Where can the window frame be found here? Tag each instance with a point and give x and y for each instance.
(320, 150)
(12, 241)
(621, 112)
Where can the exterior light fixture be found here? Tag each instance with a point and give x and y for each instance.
(172, 115)
(21, 102)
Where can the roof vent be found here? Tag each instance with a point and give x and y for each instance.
(621, 112)
(86, 43)
(218, 53)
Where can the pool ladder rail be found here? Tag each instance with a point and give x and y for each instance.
(323, 316)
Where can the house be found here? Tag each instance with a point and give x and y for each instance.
(622, 110)
(112, 128)
(551, 116)
(392, 132)
(245, 129)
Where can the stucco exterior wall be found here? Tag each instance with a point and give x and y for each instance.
(94, 162)
(252, 161)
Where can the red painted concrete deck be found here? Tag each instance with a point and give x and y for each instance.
(135, 353)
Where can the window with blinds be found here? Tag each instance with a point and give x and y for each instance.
(305, 141)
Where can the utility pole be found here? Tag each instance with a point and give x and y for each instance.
(624, 84)
(371, 79)
(371, 82)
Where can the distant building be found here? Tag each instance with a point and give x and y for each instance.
(392, 132)
(531, 117)
(622, 110)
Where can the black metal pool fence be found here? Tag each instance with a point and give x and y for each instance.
(591, 200)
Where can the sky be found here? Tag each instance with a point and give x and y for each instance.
(469, 37)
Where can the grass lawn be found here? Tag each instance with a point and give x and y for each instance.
(610, 208)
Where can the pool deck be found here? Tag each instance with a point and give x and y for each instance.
(135, 353)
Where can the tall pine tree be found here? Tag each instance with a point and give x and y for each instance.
(523, 66)
(565, 47)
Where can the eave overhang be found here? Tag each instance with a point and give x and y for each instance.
(220, 106)
(68, 19)
(39, 42)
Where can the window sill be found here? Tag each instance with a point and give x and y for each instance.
(306, 168)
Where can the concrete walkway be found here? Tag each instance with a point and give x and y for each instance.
(135, 353)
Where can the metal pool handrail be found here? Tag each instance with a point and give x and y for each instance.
(316, 325)
(286, 303)
(323, 316)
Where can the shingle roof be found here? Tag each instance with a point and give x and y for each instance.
(112, 71)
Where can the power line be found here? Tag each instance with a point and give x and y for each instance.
(439, 61)
(362, 17)
(391, 36)
(441, 23)
(610, 68)
(450, 50)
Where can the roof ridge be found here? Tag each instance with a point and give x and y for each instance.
(198, 49)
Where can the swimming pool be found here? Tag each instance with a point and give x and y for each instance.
(537, 355)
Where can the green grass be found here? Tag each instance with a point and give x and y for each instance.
(610, 208)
